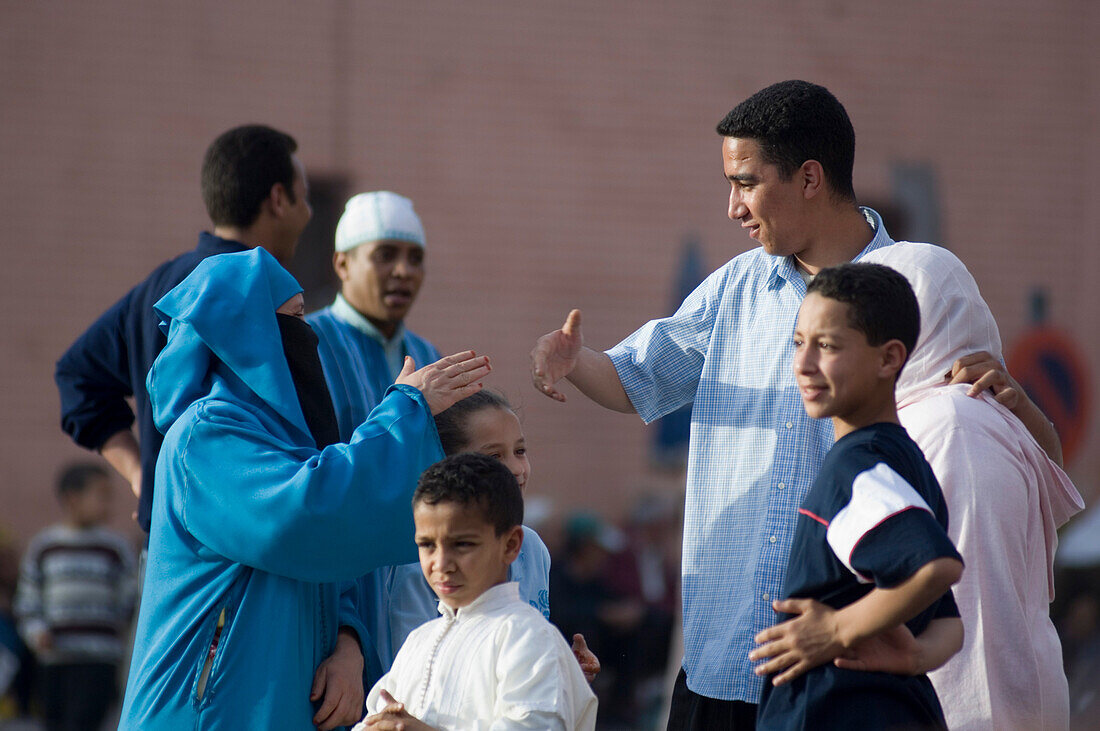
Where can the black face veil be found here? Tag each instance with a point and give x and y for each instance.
(300, 347)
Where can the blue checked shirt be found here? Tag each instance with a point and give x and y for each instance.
(753, 454)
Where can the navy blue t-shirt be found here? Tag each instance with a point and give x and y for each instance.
(108, 364)
(874, 515)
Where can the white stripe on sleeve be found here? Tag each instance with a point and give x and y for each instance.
(877, 494)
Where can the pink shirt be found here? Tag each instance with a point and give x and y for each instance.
(1005, 501)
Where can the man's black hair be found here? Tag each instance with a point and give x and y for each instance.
(474, 479)
(796, 121)
(239, 169)
(881, 303)
(75, 478)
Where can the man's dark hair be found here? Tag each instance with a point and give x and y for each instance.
(474, 479)
(451, 423)
(75, 478)
(796, 121)
(239, 169)
(881, 303)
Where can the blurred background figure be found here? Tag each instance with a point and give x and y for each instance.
(16, 662)
(1076, 614)
(646, 573)
(620, 589)
(75, 597)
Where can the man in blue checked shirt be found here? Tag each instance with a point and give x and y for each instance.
(787, 152)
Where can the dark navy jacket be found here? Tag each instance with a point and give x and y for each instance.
(110, 360)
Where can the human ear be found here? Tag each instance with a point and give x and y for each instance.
(893, 358)
(813, 178)
(279, 198)
(340, 264)
(513, 542)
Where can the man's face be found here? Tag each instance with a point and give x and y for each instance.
(381, 279)
(767, 206)
(299, 212)
(460, 553)
(838, 372)
(290, 217)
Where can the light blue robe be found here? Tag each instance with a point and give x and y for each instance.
(249, 517)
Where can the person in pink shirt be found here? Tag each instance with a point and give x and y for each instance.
(1006, 499)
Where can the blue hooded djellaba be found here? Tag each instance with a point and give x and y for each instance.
(253, 526)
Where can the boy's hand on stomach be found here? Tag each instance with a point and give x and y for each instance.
(800, 644)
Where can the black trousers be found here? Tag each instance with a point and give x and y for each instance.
(77, 697)
(693, 712)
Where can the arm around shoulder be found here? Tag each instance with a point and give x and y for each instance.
(983, 371)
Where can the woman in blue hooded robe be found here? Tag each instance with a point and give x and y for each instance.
(253, 525)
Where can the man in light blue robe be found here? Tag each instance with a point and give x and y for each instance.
(253, 526)
(379, 258)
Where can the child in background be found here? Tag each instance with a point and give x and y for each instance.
(870, 549)
(491, 660)
(487, 424)
(74, 600)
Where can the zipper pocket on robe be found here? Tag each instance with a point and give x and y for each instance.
(208, 661)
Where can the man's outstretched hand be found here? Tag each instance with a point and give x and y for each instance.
(555, 356)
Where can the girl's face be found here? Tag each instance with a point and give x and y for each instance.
(497, 433)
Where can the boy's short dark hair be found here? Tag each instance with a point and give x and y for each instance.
(796, 121)
(474, 479)
(239, 169)
(75, 478)
(881, 303)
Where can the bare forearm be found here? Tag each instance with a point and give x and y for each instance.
(122, 452)
(938, 643)
(595, 376)
(885, 608)
(1040, 427)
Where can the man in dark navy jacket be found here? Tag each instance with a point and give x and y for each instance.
(255, 191)
(256, 194)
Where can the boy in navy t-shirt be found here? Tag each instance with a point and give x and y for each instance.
(870, 550)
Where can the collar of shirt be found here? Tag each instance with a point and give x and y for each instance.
(209, 244)
(492, 599)
(785, 270)
(394, 347)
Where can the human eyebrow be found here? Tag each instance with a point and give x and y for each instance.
(743, 179)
